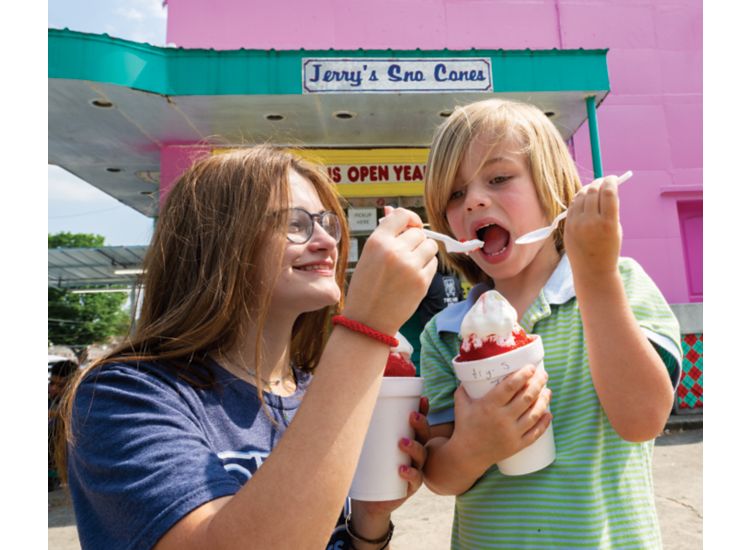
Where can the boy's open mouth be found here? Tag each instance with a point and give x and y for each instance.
(495, 237)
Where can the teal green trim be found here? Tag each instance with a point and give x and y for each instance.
(596, 153)
(177, 71)
(670, 362)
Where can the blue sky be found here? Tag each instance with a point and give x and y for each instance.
(73, 204)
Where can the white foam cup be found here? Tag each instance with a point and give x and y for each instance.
(376, 477)
(480, 376)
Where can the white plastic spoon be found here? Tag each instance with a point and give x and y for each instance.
(452, 245)
(544, 232)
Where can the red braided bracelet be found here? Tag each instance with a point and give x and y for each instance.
(356, 326)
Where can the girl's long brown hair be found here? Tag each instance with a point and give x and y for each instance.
(220, 228)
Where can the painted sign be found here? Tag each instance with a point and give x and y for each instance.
(373, 172)
(370, 172)
(378, 75)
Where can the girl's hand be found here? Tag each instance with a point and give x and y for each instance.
(510, 417)
(381, 511)
(393, 274)
(592, 231)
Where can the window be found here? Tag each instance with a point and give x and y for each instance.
(691, 229)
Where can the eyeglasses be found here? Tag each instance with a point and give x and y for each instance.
(302, 225)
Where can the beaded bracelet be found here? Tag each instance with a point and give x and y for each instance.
(364, 329)
(384, 540)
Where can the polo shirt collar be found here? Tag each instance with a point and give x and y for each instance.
(558, 290)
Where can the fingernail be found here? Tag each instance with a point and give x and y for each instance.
(416, 416)
(405, 441)
(403, 469)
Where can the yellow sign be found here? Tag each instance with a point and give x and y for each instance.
(372, 172)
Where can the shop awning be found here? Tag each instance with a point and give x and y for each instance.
(113, 104)
(109, 266)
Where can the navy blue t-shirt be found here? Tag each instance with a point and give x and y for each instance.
(149, 448)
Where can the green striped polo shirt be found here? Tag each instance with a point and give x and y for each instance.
(599, 491)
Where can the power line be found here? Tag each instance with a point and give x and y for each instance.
(82, 213)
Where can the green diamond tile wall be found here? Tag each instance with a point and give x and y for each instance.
(690, 389)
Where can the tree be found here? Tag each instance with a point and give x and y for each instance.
(78, 320)
(64, 239)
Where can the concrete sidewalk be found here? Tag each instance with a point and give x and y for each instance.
(424, 522)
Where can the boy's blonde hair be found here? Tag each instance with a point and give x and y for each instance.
(552, 168)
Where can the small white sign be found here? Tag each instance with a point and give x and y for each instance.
(362, 219)
(331, 75)
(353, 250)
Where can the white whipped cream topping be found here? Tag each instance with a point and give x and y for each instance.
(404, 347)
(490, 318)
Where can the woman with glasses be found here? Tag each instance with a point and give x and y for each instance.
(195, 433)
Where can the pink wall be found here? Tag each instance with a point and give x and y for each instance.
(175, 159)
(650, 123)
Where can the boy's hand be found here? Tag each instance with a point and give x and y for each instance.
(593, 234)
(510, 417)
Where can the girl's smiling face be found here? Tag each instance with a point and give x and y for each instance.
(494, 199)
(307, 280)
